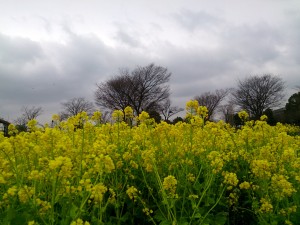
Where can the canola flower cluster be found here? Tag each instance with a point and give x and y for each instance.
(134, 171)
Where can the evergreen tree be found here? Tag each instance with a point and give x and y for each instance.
(292, 109)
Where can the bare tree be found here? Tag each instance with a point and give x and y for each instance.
(21, 122)
(212, 100)
(105, 117)
(144, 88)
(31, 113)
(167, 110)
(75, 106)
(258, 93)
(227, 112)
(28, 113)
(115, 93)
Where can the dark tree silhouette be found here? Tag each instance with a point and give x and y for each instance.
(75, 106)
(31, 113)
(28, 113)
(168, 110)
(227, 112)
(292, 109)
(144, 89)
(177, 119)
(212, 100)
(257, 93)
(271, 119)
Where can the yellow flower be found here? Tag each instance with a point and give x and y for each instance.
(191, 108)
(127, 156)
(202, 111)
(281, 187)
(12, 129)
(119, 164)
(79, 222)
(287, 222)
(132, 192)
(25, 193)
(44, 205)
(35, 175)
(86, 183)
(97, 116)
(230, 178)
(97, 192)
(243, 115)
(292, 209)
(56, 118)
(64, 164)
(169, 184)
(112, 197)
(82, 117)
(233, 198)
(147, 211)
(266, 206)
(104, 164)
(263, 118)
(216, 161)
(117, 116)
(191, 177)
(143, 117)
(133, 164)
(128, 112)
(261, 168)
(2, 180)
(245, 185)
(32, 125)
(12, 191)
(148, 157)
(288, 155)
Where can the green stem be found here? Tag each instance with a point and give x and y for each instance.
(147, 185)
(198, 175)
(164, 194)
(203, 193)
(213, 205)
(53, 196)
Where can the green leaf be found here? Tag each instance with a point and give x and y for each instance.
(125, 217)
(165, 222)
(73, 211)
(220, 218)
(159, 217)
(19, 219)
(209, 201)
(183, 223)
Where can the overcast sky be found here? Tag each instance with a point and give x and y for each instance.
(52, 51)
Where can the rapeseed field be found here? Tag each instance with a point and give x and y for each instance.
(134, 171)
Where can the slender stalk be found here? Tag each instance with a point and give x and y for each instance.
(217, 202)
(203, 194)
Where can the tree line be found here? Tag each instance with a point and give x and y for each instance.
(146, 88)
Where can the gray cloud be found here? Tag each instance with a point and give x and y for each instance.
(257, 44)
(192, 20)
(127, 39)
(57, 72)
(127, 35)
(18, 50)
